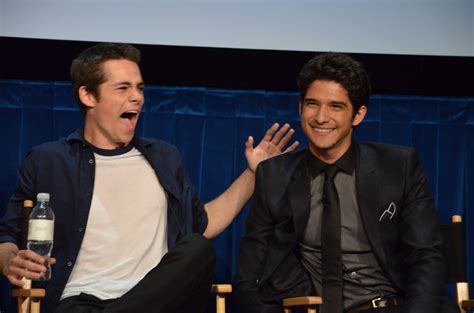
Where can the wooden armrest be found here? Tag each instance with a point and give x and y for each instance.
(467, 304)
(221, 288)
(32, 293)
(296, 301)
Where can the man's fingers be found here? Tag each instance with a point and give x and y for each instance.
(280, 133)
(269, 133)
(15, 274)
(14, 280)
(289, 134)
(28, 266)
(292, 147)
(30, 255)
(29, 261)
(249, 143)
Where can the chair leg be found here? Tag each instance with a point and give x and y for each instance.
(311, 310)
(462, 293)
(35, 305)
(220, 303)
(23, 304)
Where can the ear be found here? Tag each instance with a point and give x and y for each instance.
(86, 97)
(359, 117)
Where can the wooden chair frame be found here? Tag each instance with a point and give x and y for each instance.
(221, 290)
(309, 303)
(462, 287)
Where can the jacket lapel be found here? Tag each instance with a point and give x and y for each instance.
(299, 198)
(299, 193)
(367, 184)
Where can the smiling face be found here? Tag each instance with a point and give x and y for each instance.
(327, 119)
(111, 117)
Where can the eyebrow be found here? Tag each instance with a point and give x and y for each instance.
(140, 84)
(339, 102)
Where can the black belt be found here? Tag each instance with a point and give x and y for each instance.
(377, 303)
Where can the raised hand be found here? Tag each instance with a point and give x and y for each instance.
(272, 144)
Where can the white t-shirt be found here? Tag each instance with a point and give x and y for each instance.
(125, 235)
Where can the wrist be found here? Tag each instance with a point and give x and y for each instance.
(7, 252)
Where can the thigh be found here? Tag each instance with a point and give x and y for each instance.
(83, 303)
(180, 282)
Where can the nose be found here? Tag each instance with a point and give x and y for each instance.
(136, 96)
(321, 115)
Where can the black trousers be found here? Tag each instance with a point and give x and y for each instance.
(181, 282)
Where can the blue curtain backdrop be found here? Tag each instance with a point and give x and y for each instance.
(210, 126)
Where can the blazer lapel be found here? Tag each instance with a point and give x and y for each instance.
(299, 193)
(367, 184)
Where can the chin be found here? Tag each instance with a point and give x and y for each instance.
(124, 142)
(321, 145)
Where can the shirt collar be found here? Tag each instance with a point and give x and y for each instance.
(345, 163)
(78, 135)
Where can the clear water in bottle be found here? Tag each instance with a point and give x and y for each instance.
(43, 248)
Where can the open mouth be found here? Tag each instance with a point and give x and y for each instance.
(130, 119)
(129, 114)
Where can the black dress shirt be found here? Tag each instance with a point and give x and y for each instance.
(363, 277)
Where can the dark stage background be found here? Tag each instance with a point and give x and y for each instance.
(207, 101)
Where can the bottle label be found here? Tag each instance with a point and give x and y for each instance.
(40, 230)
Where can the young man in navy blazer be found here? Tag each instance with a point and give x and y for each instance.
(131, 232)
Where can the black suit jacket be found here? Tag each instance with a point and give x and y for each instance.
(406, 240)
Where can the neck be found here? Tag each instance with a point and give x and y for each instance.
(100, 139)
(330, 156)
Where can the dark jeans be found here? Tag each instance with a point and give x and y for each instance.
(181, 282)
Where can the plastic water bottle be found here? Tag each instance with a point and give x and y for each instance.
(41, 231)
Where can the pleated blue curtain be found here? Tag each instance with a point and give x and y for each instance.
(210, 127)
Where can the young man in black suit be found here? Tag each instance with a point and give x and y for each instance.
(389, 257)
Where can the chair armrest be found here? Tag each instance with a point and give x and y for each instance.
(297, 301)
(32, 293)
(221, 288)
(467, 304)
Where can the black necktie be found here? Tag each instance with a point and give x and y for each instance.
(331, 245)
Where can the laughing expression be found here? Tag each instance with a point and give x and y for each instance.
(327, 119)
(111, 117)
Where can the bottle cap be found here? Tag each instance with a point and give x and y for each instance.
(42, 196)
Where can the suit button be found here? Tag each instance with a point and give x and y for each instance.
(69, 264)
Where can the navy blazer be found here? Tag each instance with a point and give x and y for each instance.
(406, 241)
